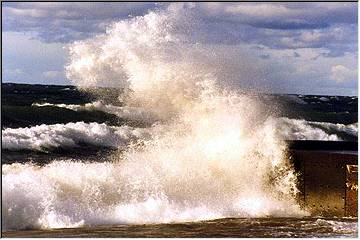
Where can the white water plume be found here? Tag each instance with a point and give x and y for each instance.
(161, 57)
(214, 155)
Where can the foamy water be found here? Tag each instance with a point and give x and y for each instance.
(47, 137)
(212, 154)
(298, 129)
(73, 135)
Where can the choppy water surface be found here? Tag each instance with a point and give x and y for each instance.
(229, 227)
(179, 142)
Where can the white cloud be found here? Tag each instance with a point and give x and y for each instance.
(283, 15)
(341, 74)
(53, 74)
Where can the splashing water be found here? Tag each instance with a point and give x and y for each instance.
(212, 153)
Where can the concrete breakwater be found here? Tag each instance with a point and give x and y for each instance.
(327, 176)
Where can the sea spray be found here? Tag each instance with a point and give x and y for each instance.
(161, 59)
(213, 153)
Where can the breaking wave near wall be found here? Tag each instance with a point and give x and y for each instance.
(45, 138)
(212, 152)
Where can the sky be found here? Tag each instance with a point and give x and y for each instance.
(310, 48)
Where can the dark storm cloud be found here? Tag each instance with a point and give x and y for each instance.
(331, 26)
(66, 22)
(265, 56)
(283, 15)
(336, 39)
(302, 42)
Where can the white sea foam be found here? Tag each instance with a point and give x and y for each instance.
(216, 155)
(45, 137)
(287, 129)
(297, 129)
(70, 194)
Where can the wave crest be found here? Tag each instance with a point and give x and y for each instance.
(46, 137)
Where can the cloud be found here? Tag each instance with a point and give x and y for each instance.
(302, 41)
(341, 74)
(63, 22)
(66, 22)
(25, 59)
(334, 38)
(332, 26)
(53, 74)
(283, 15)
(265, 56)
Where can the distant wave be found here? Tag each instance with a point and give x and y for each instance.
(296, 129)
(129, 113)
(295, 99)
(46, 137)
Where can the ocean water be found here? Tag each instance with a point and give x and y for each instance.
(221, 228)
(167, 146)
(69, 176)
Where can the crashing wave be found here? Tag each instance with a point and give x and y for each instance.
(216, 155)
(297, 129)
(46, 137)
